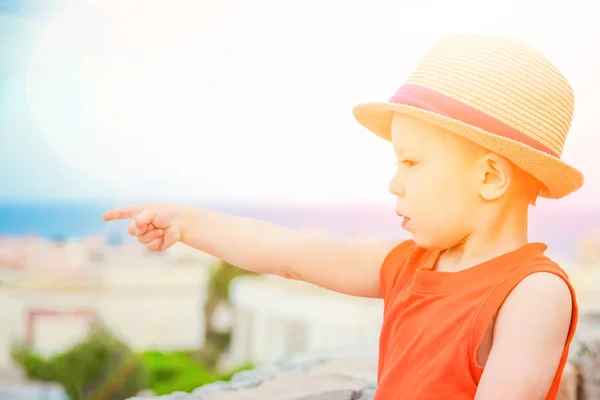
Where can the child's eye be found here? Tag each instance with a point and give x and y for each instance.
(407, 163)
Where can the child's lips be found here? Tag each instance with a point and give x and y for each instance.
(405, 222)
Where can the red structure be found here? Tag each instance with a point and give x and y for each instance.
(34, 314)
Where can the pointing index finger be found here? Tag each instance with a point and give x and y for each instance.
(121, 213)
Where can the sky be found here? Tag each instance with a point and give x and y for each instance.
(244, 101)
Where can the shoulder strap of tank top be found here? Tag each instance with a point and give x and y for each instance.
(491, 305)
(390, 269)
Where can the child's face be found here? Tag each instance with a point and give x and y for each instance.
(436, 188)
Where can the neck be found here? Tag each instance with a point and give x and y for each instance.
(495, 235)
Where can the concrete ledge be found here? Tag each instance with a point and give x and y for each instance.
(348, 373)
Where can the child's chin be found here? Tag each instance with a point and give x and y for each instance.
(424, 241)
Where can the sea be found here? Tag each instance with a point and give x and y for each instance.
(561, 229)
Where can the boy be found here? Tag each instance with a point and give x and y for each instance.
(472, 309)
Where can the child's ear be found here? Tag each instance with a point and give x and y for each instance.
(496, 175)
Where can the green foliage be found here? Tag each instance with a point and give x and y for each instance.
(166, 372)
(179, 372)
(170, 372)
(34, 366)
(226, 376)
(101, 367)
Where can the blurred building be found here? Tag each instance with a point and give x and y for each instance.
(275, 318)
(51, 293)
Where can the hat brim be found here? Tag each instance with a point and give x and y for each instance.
(559, 178)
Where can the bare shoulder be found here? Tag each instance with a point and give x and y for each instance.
(541, 302)
(532, 326)
(541, 292)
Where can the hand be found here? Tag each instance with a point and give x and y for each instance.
(157, 226)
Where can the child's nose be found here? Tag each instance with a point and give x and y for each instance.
(396, 186)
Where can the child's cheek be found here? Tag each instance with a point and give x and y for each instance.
(417, 194)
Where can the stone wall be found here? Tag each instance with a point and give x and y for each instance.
(585, 358)
(351, 374)
(340, 374)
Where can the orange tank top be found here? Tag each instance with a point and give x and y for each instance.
(434, 321)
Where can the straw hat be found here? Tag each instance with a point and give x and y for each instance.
(497, 92)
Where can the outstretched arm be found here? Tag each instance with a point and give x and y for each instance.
(345, 266)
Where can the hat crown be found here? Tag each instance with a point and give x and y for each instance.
(505, 79)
